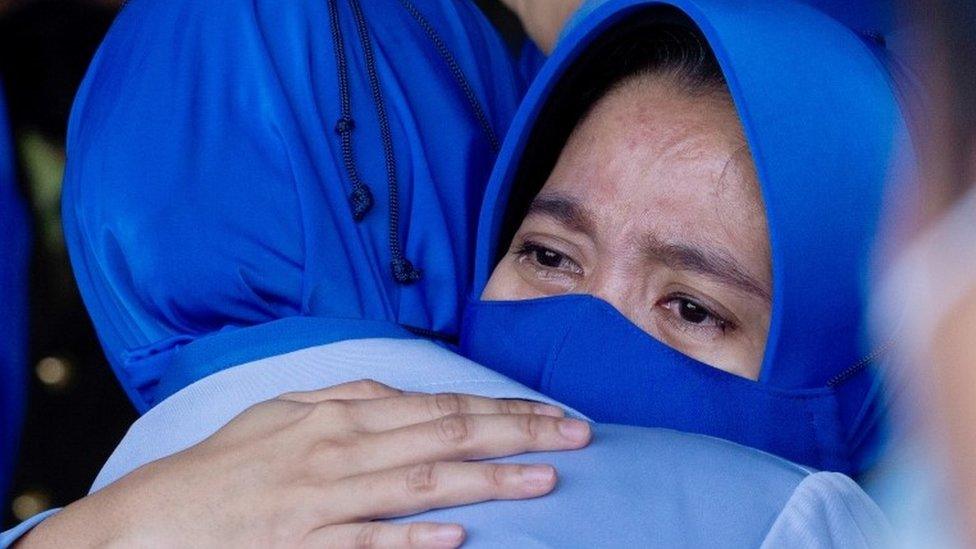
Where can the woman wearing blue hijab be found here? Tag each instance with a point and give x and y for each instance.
(754, 269)
(631, 484)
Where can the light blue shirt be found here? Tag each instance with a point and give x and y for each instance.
(631, 487)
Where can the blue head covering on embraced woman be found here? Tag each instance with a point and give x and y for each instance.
(821, 118)
(249, 178)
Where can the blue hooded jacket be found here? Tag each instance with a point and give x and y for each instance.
(822, 118)
(15, 251)
(248, 178)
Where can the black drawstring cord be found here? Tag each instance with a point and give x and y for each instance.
(456, 71)
(403, 271)
(361, 198)
(432, 334)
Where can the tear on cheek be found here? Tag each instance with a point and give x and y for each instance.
(543, 282)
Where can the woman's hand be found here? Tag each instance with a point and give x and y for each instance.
(543, 20)
(316, 468)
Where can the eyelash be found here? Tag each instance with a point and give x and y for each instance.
(676, 319)
(528, 250)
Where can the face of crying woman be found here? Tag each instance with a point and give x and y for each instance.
(654, 207)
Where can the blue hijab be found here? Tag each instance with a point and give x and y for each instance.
(823, 123)
(15, 251)
(246, 178)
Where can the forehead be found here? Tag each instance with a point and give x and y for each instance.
(651, 156)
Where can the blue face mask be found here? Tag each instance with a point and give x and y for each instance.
(823, 124)
(580, 350)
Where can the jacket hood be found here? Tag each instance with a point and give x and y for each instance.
(241, 164)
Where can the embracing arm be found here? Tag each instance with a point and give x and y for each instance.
(316, 468)
(543, 19)
(614, 494)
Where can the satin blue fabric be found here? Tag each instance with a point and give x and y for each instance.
(823, 123)
(15, 251)
(207, 189)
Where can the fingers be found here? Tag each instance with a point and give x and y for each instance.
(361, 389)
(385, 414)
(417, 488)
(381, 535)
(464, 437)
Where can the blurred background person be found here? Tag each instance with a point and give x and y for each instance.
(928, 292)
(14, 244)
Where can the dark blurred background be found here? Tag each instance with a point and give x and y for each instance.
(76, 409)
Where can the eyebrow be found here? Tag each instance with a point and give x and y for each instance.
(717, 264)
(567, 211)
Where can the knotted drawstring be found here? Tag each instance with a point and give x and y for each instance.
(361, 198)
(403, 271)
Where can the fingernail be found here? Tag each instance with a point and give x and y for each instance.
(538, 475)
(574, 430)
(547, 410)
(446, 535)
